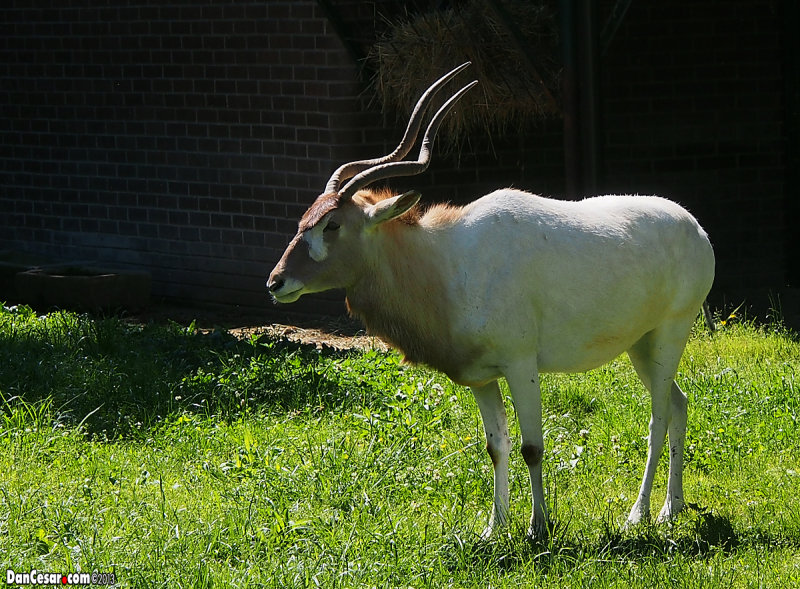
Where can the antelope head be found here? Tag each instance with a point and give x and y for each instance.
(327, 251)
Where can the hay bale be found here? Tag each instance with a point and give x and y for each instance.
(518, 70)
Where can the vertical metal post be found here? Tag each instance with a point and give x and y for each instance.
(580, 91)
(791, 196)
(570, 93)
(588, 97)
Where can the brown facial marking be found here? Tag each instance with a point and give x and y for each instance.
(324, 204)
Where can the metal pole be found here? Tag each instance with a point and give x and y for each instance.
(569, 91)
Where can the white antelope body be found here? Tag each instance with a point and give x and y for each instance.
(512, 285)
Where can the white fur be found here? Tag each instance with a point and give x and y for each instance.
(513, 285)
(317, 248)
(550, 285)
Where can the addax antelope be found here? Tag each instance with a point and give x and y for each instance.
(512, 285)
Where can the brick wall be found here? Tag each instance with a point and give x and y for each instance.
(182, 137)
(187, 137)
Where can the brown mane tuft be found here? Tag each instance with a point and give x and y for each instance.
(441, 215)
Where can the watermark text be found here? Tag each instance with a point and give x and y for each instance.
(35, 577)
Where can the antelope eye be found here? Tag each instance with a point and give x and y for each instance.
(331, 226)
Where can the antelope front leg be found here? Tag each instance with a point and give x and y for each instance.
(498, 445)
(523, 380)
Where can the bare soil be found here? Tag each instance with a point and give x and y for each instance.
(339, 333)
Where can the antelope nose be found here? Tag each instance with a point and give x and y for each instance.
(275, 283)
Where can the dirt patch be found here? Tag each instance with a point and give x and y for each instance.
(317, 337)
(339, 333)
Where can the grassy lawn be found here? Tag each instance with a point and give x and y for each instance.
(175, 458)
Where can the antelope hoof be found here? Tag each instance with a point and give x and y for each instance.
(670, 510)
(494, 527)
(639, 514)
(539, 530)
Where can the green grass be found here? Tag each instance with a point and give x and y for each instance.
(175, 458)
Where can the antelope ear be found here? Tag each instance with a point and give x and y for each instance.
(391, 208)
